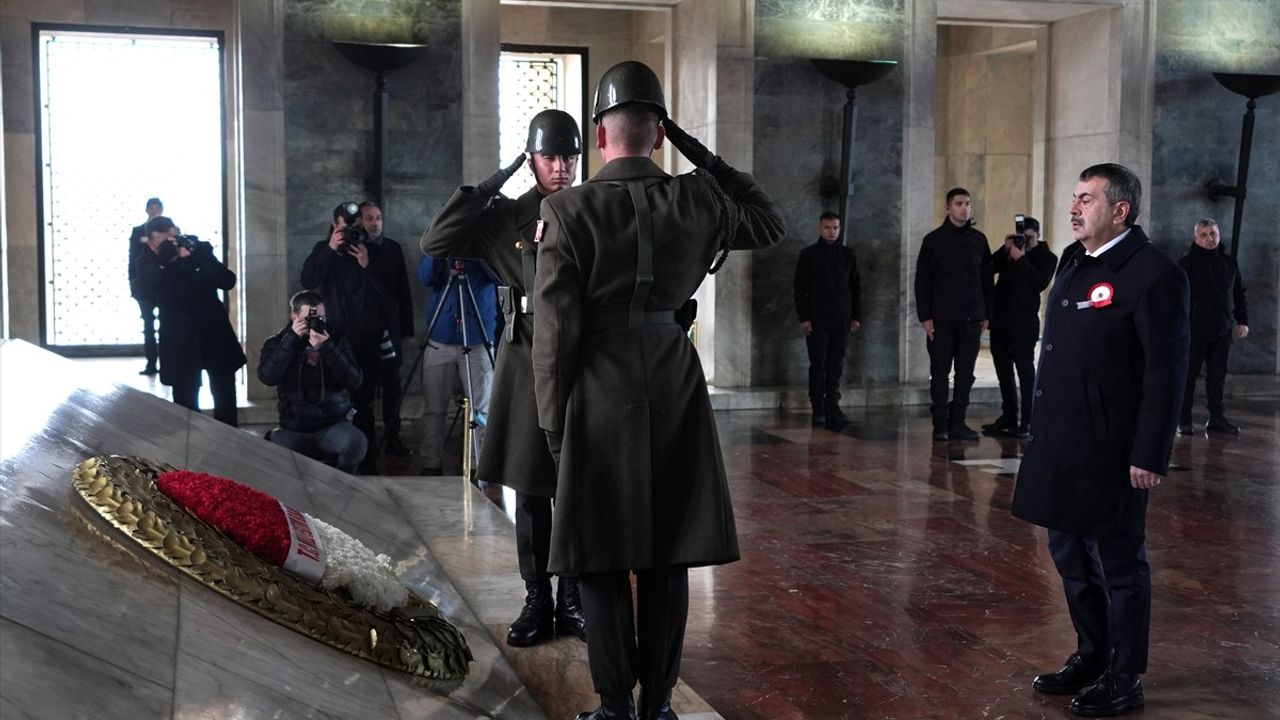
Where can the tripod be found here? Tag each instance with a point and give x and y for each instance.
(459, 283)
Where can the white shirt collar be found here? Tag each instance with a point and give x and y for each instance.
(1109, 245)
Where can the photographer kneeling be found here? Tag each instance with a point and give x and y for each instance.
(313, 377)
(181, 277)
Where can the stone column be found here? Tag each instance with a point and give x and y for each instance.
(918, 201)
(481, 50)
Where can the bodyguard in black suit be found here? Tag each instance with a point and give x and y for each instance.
(953, 300)
(1112, 365)
(828, 292)
(137, 240)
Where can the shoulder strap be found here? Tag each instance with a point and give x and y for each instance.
(644, 253)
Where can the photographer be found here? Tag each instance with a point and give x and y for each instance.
(1025, 266)
(180, 275)
(313, 376)
(137, 239)
(357, 279)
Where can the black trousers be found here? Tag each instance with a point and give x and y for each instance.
(222, 384)
(369, 358)
(826, 344)
(1108, 587)
(149, 347)
(954, 343)
(1212, 352)
(533, 536)
(619, 650)
(1015, 350)
(391, 389)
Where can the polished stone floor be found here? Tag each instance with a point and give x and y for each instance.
(883, 577)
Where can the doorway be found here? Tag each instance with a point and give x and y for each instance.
(124, 115)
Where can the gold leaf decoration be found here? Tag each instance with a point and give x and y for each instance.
(413, 639)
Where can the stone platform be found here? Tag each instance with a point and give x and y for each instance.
(94, 626)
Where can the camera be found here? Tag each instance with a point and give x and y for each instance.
(316, 322)
(168, 250)
(1020, 231)
(354, 232)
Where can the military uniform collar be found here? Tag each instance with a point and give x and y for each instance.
(628, 168)
(527, 207)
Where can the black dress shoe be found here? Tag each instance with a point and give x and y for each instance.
(1113, 694)
(1220, 425)
(1023, 432)
(536, 623)
(941, 435)
(962, 432)
(1002, 424)
(612, 707)
(835, 418)
(569, 619)
(1075, 675)
(396, 448)
(1186, 429)
(656, 706)
(149, 370)
(819, 420)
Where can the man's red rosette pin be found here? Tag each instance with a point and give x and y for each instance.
(1100, 295)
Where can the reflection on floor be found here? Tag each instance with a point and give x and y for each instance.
(882, 577)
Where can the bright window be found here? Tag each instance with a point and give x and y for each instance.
(123, 117)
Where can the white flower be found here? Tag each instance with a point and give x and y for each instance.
(367, 577)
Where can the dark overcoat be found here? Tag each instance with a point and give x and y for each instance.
(1109, 387)
(471, 226)
(195, 333)
(642, 482)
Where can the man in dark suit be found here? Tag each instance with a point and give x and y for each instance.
(137, 241)
(828, 291)
(399, 325)
(620, 388)
(481, 223)
(1113, 361)
(953, 301)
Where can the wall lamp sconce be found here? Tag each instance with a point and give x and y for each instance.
(851, 74)
(381, 58)
(1252, 87)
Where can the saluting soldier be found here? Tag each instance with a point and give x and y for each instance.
(1112, 365)
(479, 223)
(620, 388)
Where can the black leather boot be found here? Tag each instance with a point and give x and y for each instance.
(955, 424)
(535, 624)
(612, 707)
(569, 619)
(656, 706)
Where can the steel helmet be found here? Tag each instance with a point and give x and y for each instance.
(628, 82)
(554, 132)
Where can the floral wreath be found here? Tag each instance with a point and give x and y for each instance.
(277, 561)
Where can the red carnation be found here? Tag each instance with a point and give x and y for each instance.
(250, 517)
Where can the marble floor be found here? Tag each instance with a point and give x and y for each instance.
(882, 577)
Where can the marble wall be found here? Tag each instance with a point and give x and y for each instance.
(985, 95)
(798, 122)
(328, 120)
(1197, 139)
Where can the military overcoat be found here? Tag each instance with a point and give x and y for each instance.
(1113, 361)
(642, 482)
(471, 226)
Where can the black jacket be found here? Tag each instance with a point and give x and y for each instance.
(954, 276)
(194, 330)
(310, 397)
(828, 286)
(1217, 295)
(360, 302)
(1017, 292)
(136, 240)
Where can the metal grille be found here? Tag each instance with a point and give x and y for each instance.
(527, 86)
(123, 118)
